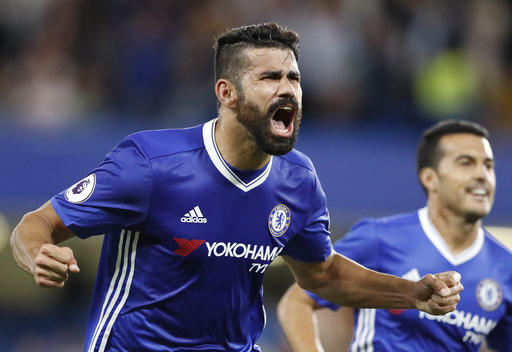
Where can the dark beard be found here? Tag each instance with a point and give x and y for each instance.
(257, 124)
(471, 218)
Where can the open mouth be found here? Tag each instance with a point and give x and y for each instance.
(282, 121)
(478, 192)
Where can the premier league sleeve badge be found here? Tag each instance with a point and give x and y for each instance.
(82, 190)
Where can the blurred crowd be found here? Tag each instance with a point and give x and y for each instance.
(408, 61)
(150, 62)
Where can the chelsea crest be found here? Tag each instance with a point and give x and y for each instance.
(489, 294)
(279, 220)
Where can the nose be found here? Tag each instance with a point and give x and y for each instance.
(483, 173)
(286, 88)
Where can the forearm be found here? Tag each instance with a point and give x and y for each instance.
(27, 238)
(34, 230)
(346, 283)
(296, 315)
(349, 284)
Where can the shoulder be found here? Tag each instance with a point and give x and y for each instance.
(496, 246)
(396, 221)
(390, 230)
(499, 257)
(157, 143)
(298, 159)
(295, 170)
(399, 220)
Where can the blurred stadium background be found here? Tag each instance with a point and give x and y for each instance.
(77, 76)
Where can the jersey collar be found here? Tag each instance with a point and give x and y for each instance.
(441, 245)
(222, 166)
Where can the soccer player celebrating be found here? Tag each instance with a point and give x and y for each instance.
(456, 169)
(193, 217)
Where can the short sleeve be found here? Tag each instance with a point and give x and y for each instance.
(113, 196)
(359, 244)
(313, 243)
(500, 338)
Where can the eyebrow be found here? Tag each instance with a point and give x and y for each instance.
(279, 73)
(273, 74)
(467, 156)
(294, 74)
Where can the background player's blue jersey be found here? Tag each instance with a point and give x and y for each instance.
(188, 238)
(410, 246)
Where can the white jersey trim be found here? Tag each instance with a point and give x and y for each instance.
(365, 331)
(441, 245)
(110, 305)
(222, 166)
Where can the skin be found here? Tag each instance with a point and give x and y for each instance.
(467, 164)
(34, 246)
(270, 75)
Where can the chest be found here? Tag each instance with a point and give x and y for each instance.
(195, 212)
(483, 301)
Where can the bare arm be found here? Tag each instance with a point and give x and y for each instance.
(296, 315)
(344, 282)
(310, 327)
(34, 247)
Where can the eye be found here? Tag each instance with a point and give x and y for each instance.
(270, 76)
(465, 161)
(294, 78)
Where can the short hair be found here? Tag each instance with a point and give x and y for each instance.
(229, 59)
(429, 154)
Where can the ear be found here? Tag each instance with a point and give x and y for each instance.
(429, 179)
(226, 93)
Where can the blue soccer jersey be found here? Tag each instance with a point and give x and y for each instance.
(187, 240)
(410, 246)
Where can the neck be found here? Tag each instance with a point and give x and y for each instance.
(236, 145)
(457, 232)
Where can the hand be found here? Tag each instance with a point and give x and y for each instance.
(438, 294)
(52, 264)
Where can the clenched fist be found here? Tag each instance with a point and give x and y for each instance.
(438, 294)
(52, 265)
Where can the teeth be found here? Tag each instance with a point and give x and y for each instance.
(479, 192)
(286, 108)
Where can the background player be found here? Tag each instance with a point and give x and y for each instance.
(180, 265)
(456, 169)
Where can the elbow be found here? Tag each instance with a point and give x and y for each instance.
(12, 240)
(20, 236)
(16, 248)
(15, 236)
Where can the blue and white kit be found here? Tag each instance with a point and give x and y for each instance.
(188, 239)
(410, 246)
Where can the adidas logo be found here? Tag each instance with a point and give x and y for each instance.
(194, 216)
